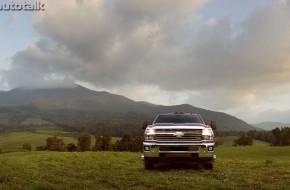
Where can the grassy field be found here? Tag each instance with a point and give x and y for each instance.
(13, 141)
(257, 167)
(35, 121)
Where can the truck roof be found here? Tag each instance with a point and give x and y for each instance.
(178, 117)
(178, 113)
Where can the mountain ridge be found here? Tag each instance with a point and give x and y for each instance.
(102, 104)
(269, 125)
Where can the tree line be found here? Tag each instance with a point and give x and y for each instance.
(103, 142)
(276, 137)
(112, 127)
(281, 136)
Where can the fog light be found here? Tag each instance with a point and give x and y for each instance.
(210, 148)
(146, 148)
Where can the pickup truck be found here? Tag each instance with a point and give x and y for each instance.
(179, 137)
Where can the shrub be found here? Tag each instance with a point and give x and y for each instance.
(219, 141)
(243, 140)
(268, 162)
(27, 146)
(40, 148)
(130, 143)
(55, 144)
(71, 147)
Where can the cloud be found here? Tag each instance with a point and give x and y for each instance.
(12, 19)
(159, 47)
(238, 65)
(102, 42)
(43, 64)
(273, 115)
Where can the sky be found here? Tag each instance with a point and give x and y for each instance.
(229, 56)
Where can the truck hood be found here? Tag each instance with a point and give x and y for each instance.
(179, 126)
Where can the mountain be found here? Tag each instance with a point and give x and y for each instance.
(65, 98)
(81, 105)
(271, 125)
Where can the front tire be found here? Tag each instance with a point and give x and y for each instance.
(148, 165)
(208, 165)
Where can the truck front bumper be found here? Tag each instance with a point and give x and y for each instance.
(163, 152)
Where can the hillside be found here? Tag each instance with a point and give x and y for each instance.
(271, 125)
(64, 98)
(80, 105)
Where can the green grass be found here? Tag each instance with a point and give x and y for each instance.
(259, 151)
(57, 131)
(13, 141)
(35, 121)
(235, 168)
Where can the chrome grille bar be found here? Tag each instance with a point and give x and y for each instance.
(170, 135)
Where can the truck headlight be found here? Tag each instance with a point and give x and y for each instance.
(207, 135)
(207, 138)
(150, 134)
(150, 137)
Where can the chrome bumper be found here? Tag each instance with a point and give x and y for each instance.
(196, 151)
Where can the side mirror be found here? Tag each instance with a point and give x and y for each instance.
(145, 124)
(213, 125)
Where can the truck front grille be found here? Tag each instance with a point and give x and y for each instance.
(180, 135)
(178, 148)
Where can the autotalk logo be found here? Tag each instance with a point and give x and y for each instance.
(22, 6)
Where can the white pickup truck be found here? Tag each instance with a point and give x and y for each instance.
(179, 137)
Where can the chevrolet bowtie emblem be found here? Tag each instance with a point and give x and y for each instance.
(179, 134)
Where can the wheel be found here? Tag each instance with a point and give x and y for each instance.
(208, 166)
(148, 165)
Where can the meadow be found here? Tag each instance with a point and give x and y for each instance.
(13, 141)
(252, 167)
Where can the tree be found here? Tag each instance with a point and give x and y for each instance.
(126, 143)
(243, 140)
(281, 136)
(277, 137)
(103, 142)
(138, 144)
(285, 136)
(84, 141)
(130, 143)
(265, 136)
(55, 144)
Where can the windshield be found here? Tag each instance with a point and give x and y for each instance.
(178, 118)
